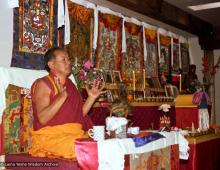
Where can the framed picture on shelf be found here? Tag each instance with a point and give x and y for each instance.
(108, 76)
(171, 91)
(115, 94)
(109, 96)
(156, 82)
(99, 72)
(116, 76)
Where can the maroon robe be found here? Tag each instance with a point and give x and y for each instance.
(70, 111)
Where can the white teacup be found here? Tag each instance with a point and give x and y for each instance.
(134, 130)
(97, 133)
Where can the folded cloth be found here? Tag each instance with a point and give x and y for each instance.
(115, 123)
(111, 154)
(140, 141)
(183, 147)
(56, 141)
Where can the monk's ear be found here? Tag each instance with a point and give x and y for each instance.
(50, 64)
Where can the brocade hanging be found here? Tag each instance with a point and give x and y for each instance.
(151, 63)
(184, 47)
(175, 56)
(164, 58)
(133, 59)
(108, 52)
(35, 31)
(81, 32)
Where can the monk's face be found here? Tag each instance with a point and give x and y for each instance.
(61, 63)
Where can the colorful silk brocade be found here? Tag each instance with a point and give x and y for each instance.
(176, 57)
(35, 31)
(151, 63)
(18, 121)
(164, 58)
(81, 28)
(108, 52)
(12, 120)
(133, 58)
(158, 159)
(184, 47)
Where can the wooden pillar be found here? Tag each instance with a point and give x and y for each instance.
(209, 81)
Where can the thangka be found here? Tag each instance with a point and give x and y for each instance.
(35, 31)
(133, 58)
(108, 52)
(184, 47)
(175, 56)
(151, 63)
(81, 28)
(164, 58)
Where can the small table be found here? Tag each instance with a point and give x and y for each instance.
(163, 149)
(204, 153)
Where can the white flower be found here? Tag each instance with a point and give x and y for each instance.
(164, 107)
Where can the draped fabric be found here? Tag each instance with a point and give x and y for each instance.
(151, 63)
(133, 58)
(17, 120)
(198, 159)
(56, 141)
(12, 120)
(175, 56)
(185, 116)
(158, 159)
(81, 32)
(35, 31)
(108, 52)
(140, 141)
(184, 47)
(164, 58)
(143, 116)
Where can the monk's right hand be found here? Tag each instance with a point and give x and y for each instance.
(61, 89)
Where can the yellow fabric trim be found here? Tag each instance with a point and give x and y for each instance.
(54, 85)
(56, 141)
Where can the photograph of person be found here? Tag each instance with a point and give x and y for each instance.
(117, 76)
(108, 76)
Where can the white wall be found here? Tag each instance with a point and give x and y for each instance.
(6, 33)
(217, 89)
(196, 56)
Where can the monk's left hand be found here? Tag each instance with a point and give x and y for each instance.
(96, 89)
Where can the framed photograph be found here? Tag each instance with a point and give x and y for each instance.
(169, 91)
(100, 73)
(108, 76)
(115, 94)
(156, 82)
(109, 96)
(117, 76)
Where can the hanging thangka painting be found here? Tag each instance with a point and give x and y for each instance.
(133, 58)
(175, 57)
(164, 57)
(184, 47)
(108, 52)
(35, 31)
(81, 32)
(151, 63)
